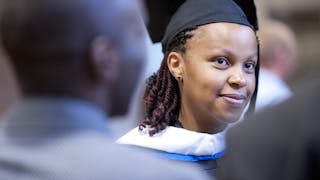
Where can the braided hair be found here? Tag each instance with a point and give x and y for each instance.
(162, 96)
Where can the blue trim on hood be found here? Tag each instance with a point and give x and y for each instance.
(192, 158)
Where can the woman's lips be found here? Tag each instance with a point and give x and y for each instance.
(235, 100)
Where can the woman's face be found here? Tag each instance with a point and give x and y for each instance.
(218, 72)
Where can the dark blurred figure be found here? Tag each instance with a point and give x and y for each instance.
(280, 143)
(278, 54)
(74, 59)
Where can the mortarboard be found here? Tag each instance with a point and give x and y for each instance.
(162, 12)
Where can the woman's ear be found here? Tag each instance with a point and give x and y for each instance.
(104, 60)
(175, 64)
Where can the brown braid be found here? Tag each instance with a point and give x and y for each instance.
(162, 97)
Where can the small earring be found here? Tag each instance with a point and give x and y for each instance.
(179, 78)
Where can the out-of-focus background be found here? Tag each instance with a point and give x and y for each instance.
(304, 19)
(302, 16)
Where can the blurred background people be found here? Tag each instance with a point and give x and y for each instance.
(77, 63)
(278, 54)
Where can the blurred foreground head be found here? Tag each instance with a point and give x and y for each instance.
(89, 49)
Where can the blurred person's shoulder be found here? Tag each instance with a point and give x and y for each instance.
(125, 162)
(85, 156)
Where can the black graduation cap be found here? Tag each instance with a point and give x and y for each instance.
(249, 9)
(161, 12)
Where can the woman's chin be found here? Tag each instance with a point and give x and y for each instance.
(230, 118)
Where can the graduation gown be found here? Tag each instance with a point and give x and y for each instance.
(181, 145)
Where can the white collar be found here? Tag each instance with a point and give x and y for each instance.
(177, 140)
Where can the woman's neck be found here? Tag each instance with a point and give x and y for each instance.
(193, 121)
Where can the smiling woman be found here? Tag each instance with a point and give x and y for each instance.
(207, 77)
(217, 79)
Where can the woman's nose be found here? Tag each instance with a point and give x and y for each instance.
(237, 78)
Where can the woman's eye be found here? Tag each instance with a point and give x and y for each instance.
(249, 66)
(221, 62)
